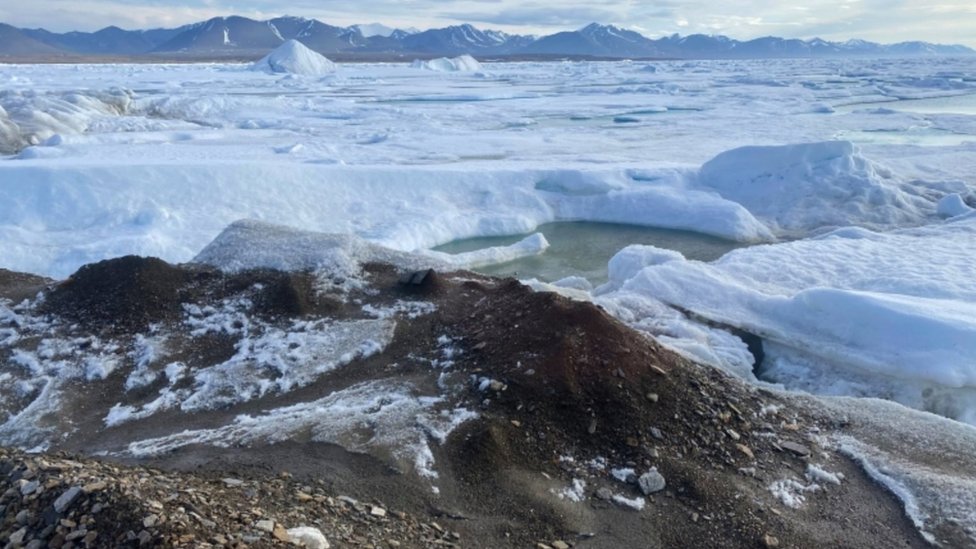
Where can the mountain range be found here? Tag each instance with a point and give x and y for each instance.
(235, 36)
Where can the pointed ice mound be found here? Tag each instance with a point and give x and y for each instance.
(465, 63)
(293, 57)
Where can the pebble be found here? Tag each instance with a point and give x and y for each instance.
(67, 499)
(95, 487)
(653, 397)
(17, 537)
(656, 433)
(265, 525)
(559, 544)
(378, 512)
(651, 482)
(746, 450)
(770, 540)
(604, 493)
(233, 482)
(795, 448)
(28, 487)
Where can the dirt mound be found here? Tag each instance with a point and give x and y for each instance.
(17, 286)
(573, 409)
(123, 294)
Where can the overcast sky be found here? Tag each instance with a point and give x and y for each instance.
(944, 21)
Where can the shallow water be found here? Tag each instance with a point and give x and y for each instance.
(584, 249)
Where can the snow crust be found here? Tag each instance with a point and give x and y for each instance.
(293, 57)
(463, 63)
(381, 416)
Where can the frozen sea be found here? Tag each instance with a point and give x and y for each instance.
(825, 206)
(845, 188)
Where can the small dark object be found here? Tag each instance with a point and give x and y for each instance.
(415, 278)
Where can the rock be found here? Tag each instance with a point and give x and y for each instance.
(67, 499)
(233, 482)
(652, 397)
(17, 538)
(378, 512)
(28, 487)
(150, 521)
(733, 435)
(265, 525)
(559, 544)
(605, 494)
(144, 537)
(95, 487)
(90, 538)
(280, 533)
(77, 534)
(746, 450)
(310, 538)
(22, 517)
(651, 482)
(35, 544)
(797, 449)
(656, 433)
(770, 540)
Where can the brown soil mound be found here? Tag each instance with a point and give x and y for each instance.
(564, 392)
(123, 294)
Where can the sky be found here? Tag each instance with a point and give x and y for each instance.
(941, 21)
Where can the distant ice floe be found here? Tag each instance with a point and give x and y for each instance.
(293, 57)
(464, 63)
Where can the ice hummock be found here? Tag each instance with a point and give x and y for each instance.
(251, 244)
(463, 63)
(809, 185)
(293, 57)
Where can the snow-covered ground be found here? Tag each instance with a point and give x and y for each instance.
(857, 175)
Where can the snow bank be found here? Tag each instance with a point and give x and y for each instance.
(293, 57)
(464, 63)
(796, 188)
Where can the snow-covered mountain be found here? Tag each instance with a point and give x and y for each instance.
(240, 35)
(462, 39)
(594, 40)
